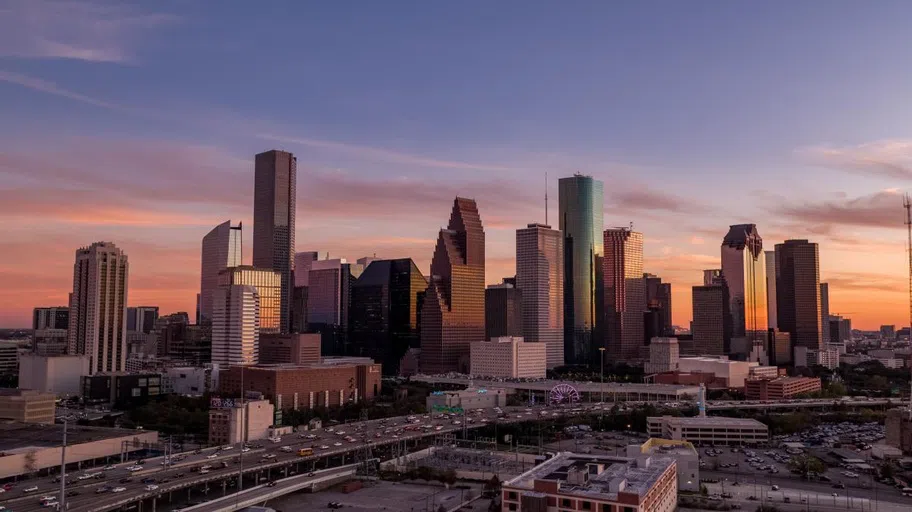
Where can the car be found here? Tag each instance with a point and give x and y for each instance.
(109, 467)
(50, 504)
(47, 498)
(70, 494)
(214, 455)
(119, 489)
(324, 447)
(835, 494)
(30, 489)
(151, 487)
(135, 468)
(337, 444)
(286, 449)
(245, 449)
(752, 498)
(148, 480)
(227, 447)
(125, 480)
(839, 485)
(204, 471)
(775, 487)
(102, 490)
(272, 484)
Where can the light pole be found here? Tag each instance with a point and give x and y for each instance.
(602, 372)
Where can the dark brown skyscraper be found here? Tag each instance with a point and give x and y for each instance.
(274, 222)
(798, 292)
(503, 311)
(453, 312)
(711, 318)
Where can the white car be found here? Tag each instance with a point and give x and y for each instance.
(47, 498)
(337, 444)
(227, 447)
(286, 449)
(214, 455)
(30, 489)
(324, 447)
(134, 468)
(245, 449)
(151, 487)
(109, 467)
(119, 489)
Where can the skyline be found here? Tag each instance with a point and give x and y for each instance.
(107, 136)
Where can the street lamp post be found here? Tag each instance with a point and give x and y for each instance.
(602, 372)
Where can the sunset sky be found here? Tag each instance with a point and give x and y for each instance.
(137, 122)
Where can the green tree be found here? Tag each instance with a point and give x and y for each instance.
(805, 464)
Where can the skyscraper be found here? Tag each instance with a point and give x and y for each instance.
(658, 300)
(303, 262)
(772, 315)
(503, 311)
(711, 319)
(98, 307)
(57, 317)
(329, 302)
(540, 279)
(798, 292)
(268, 284)
(221, 249)
(825, 311)
(581, 203)
(141, 318)
(235, 325)
(744, 269)
(453, 312)
(274, 222)
(384, 312)
(625, 294)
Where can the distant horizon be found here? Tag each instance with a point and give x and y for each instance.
(137, 123)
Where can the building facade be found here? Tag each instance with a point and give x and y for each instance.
(540, 279)
(268, 285)
(780, 347)
(744, 269)
(772, 315)
(221, 249)
(236, 325)
(98, 307)
(239, 421)
(798, 292)
(453, 311)
(780, 388)
(711, 319)
(508, 357)
(385, 312)
(581, 206)
(825, 312)
(27, 406)
(289, 348)
(57, 317)
(658, 301)
(503, 311)
(329, 302)
(274, 223)
(709, 430)
(664, 354)
(141, 319)
(625, 294)
(53, 374)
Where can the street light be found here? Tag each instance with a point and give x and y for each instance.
(602, 360)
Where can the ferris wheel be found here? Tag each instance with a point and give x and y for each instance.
(564, 393)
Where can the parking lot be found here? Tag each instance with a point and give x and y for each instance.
(382, 496)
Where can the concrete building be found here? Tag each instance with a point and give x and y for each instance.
(805, 357)
(684, 454)
(781, 388)
(27, 405)
(798, 292)
(43, 450)
(734, 373)
(540, 279)
(56, 317)
(840, 329)
(329, 302)
(467, 399)
(508, 357)
(289, 348)
(503, 311)
(121, 389)
(744, 268)
(711, 319)
(98, 307)
(709, 430)
(58, 375)
(569, 481)
(236, 325)
(239, 421)
(9, 357)
(274, 199)
(49, 342)
(899, 430)
(221, 249)
(887, 332)
(331, 383)
(303, 262)
(581, 214)
(625, 294)
(763, 372)
(453, 311)
(772, 316)
(664, 354)
(268, 285)
(192, 380)
(141, 318)
(658, 301)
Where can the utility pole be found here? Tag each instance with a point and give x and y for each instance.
(62, 499)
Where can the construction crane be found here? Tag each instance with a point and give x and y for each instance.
(907, 204)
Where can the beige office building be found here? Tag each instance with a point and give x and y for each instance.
(232, 422)
(236, 325)
(540, 279)
(268, 284)
(709, 430)
(27, 406)
(508, 357)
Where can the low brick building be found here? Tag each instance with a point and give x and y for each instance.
(330, 383)
(781, 388)
(289, 348)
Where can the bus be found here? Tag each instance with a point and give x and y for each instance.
(305, 452)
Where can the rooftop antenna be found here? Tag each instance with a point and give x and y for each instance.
(546, 198)
(907, 204)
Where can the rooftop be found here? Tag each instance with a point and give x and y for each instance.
(16, 437)
(710, 421)
(619, 473)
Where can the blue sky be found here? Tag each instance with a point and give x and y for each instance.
(137, 122)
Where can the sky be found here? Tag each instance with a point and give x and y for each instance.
(136, 122)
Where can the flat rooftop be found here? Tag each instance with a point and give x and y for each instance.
(16, 436)
(713, 421)
(640, 478)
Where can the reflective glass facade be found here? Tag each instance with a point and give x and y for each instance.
(625, 294)
(744, 270)
(540, 279)
(798, 292)
(581, 202)
(221, 249)
(268, 284)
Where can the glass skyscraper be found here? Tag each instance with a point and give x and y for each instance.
(540, 279)
(581, 202)
(798, 292)
(221, 249)
(744, 269)
(268, 284)
(625, 294)
(274, 222)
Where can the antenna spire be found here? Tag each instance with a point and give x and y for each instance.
(907, 204)
(546, 198)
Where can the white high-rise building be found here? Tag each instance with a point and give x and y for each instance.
(540, 279)
(508, 357)
(236, 325)
(221, 249)
(98, 307)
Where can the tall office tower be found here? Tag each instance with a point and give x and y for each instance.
(303, 262)
(141, 318)
(453, 311)
(384, 312)
(98, 307)
(779, 347)
(235, 325)
(887, 332)
(625, 294)
(798, 292)
(658, 299)
(274, 222)
(503, 311)
(771, 313)
(268, 284)
(540, 279)
(825, 311)
(329, 303)
(744, 268)
(840, 329)
(711, 276)
(57, 317)
(711, 324)
(581, 204)
(221, 249)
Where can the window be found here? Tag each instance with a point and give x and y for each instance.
(511, 506)
(136, 392)
(511, 496)
(587, 505)
(566, 503)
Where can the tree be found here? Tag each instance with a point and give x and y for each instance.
(805, 464)
(30, 460)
